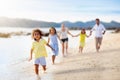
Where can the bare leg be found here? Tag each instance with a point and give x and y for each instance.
(53, 59)
(37, 69)
(80, 49)
(37, 72)
(44, 67)
(97, 47)
(96, 43)
(63, 49)
(66, 47)
(99, 43)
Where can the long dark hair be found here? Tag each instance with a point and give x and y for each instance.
(54, 30)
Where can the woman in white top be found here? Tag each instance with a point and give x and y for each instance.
(64, 38)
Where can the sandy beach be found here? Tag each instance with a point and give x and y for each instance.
(91, 65)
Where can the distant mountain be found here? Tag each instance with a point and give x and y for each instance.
(25, 23)
(34, 23)
(90, 24)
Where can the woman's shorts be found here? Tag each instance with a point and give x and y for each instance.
(64, 40)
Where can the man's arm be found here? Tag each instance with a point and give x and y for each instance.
(90, 33)
(104, 30)
(92, 30)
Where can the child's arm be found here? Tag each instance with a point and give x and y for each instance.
(76, 35)
(48, 40)
(49, 46)
(90, 33)
(30, 55)
(87, 35)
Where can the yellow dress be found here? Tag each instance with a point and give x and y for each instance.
(39, 49)
(82, 40)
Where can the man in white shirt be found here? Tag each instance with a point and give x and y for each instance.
(99, 32)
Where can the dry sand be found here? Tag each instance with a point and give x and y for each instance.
(91, 65)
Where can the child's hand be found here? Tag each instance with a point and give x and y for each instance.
(103, 33)
(73, 36)
(53, 49)
(61, 42)
(88, 36)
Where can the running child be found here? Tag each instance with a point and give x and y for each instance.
(39, 50)
(53, 41)
(83, 36)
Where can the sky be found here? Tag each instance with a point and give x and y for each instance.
(61, 10)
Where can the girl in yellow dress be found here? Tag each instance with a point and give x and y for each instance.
(82, 39)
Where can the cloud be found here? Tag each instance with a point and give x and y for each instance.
(59, 10)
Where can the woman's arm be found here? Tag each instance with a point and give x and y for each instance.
(58, 36)
(69, 33)
(59, 33)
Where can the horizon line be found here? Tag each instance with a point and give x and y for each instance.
(58, 21)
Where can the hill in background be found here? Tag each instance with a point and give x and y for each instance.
(27, 23)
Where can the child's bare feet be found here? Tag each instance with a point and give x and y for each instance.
(44, 72)
(38, 77)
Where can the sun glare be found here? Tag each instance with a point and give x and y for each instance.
(6, 7)
(50, 11)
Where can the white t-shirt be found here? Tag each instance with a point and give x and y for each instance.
(98, 30)
(63, 34)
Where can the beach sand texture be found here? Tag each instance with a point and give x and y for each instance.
(91, 65)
